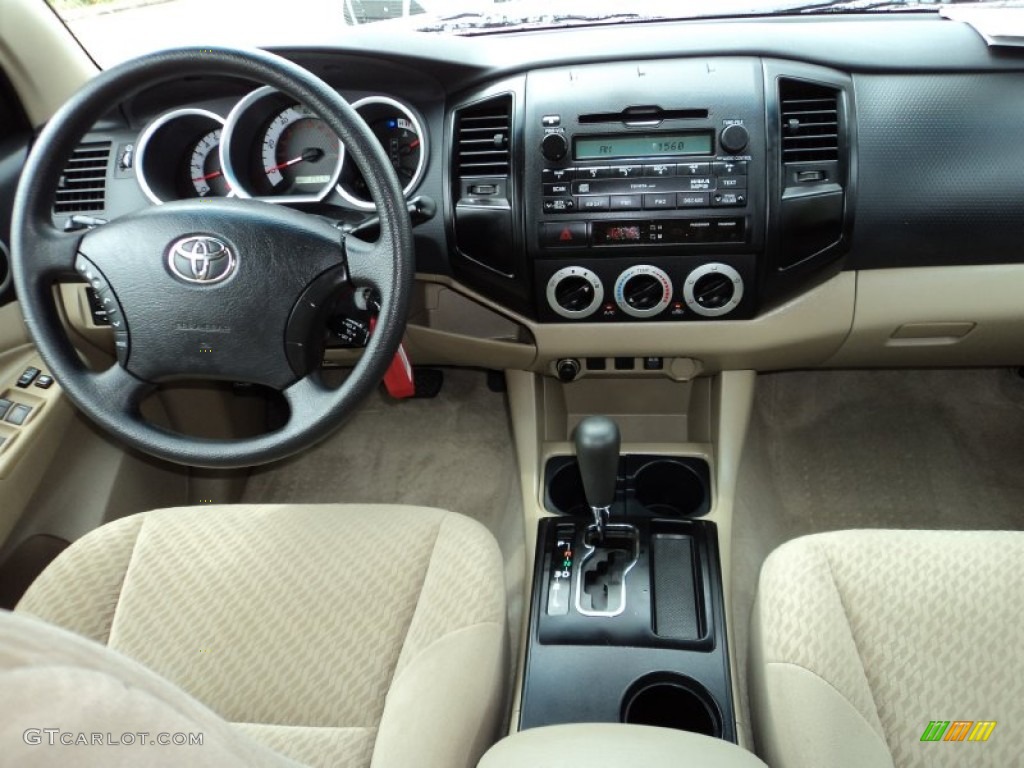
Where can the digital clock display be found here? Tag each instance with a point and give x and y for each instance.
(643, 145)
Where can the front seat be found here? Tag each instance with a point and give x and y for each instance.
(882, 648)
(342, 635)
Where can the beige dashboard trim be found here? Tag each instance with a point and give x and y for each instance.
(925, 316)
(804, 332)
(44, 62)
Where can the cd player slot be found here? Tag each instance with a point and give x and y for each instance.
(643, 115)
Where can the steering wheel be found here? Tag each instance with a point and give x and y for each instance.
(227, 289)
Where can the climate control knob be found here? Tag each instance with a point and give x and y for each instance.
(643, 291)
(575, 292)
(554, 146)
(713, 290)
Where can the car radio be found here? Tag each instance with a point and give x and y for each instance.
(644, 189)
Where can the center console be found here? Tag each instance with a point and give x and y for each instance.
(639, 204)
(673, 190)
(627, 617)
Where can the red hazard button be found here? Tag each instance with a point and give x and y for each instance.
(564, 234)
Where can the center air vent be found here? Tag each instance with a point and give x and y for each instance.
(82, 186)
(810, 121)
(482, 138)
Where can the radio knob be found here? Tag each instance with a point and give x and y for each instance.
(554, 146)
(734, 138)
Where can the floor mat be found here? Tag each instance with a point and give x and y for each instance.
(829, 450)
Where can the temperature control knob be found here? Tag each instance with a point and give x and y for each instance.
(575, 292)
(734, 138)
(643, 291)
(554, 146)
(713, 290)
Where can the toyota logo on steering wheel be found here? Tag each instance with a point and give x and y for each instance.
(201, 259)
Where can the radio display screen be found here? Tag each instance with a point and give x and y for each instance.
(643, 145)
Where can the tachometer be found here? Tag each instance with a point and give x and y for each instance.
(401, 134)
(178, 156)
(204, 167)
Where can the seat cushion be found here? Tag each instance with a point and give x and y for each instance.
(336, 634)
(68, 700)
(860, 639)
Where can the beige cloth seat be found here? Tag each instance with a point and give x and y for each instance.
(861, 638)
(337, 635)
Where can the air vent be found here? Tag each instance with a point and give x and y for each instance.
(483, 135)
(83, 185)
(810, 121)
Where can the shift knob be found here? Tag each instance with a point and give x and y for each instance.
(597, 452)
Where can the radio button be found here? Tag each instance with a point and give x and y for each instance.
(659, 170)
(727, 199)
(553, 175)
(693, 199)
(591, 173)
(558, 189)
(693, 169)
(659, 202)
(701, 183)
(568, 234)
(626, 202)
(626, 171)
(593, 203)
(731, 168)
(559, 205)
(732, 182)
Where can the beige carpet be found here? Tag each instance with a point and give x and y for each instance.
(829, 450)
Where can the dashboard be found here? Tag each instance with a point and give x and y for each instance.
(783, 185)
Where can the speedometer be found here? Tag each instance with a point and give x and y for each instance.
(400, 132)
(277, 150)
(300, 153)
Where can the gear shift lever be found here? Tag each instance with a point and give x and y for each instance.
(597, 453)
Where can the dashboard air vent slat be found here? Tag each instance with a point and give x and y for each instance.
(483, 138)
(83, 185)
(810, 121)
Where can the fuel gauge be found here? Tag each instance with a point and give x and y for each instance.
(400, 133)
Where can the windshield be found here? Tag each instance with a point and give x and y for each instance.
(115, 30)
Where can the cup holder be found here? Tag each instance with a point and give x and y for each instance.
(664, 486)
(672, 701)
(670, 488)
(565, 490)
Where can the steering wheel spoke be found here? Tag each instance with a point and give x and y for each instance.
(53, 252)
(368, 264)
(118, 390)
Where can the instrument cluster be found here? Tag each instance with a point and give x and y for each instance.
(270, 148)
